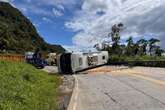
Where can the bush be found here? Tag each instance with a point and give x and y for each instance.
(153, 61)
(25, 88)
(117, 58)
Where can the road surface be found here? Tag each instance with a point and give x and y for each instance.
(51, 69)
(139, 88)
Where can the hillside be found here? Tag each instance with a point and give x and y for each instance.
(17, 33)
(23, 87)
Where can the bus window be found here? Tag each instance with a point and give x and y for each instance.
(92, 60)
(80, 61)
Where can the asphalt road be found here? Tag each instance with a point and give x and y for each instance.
(131, 89)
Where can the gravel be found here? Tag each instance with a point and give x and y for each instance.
(66, 90)
(51, 69)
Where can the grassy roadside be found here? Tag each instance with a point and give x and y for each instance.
(22, 87)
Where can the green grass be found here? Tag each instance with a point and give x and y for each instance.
(22, 87)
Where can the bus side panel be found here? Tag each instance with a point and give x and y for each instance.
(79, 62)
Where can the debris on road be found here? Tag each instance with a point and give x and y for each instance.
(105, 69)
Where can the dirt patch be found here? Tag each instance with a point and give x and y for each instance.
(51, 69)
(65, 90)
(105, 69)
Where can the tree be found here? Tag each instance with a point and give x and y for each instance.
(152, 45)
(158, 51)
(142, 43)
(4, 37)
(136, 49)
(97, 47)
(115, 32)
(130, 46)
(130, 41)
(115, 36)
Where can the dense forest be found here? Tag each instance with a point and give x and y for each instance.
(18, 35)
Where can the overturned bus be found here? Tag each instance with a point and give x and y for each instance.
(75, 62)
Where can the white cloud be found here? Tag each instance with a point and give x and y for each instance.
(75, 49)
(61, 7)
(58, 2)
(94, 5)
(39, 7)
(47, 20)
(140, 18)
(57, 13)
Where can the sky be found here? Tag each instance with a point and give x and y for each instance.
(80, 24)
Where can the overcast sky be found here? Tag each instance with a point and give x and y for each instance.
(83, 23)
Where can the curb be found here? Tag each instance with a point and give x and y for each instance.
(73, 101)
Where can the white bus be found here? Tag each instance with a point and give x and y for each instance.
(74, 62)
